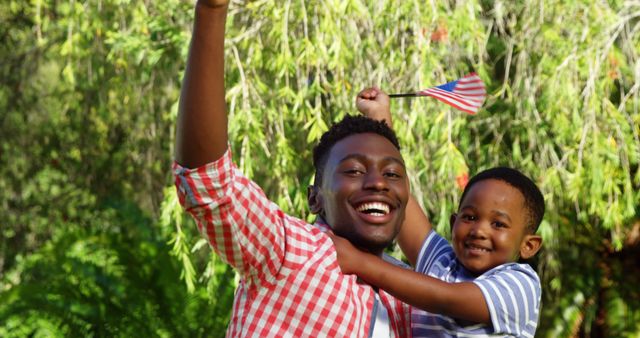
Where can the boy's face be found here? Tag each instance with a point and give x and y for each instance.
(364, 191)
(490, 227)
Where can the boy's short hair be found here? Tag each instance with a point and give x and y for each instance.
(533, 199)
(349, 125)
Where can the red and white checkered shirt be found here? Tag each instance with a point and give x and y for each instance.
(291, 284)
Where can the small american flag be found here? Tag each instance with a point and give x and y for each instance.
(466, 94)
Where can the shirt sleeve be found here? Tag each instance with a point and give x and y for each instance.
(434, 249)
(242, 225)
(512, 293)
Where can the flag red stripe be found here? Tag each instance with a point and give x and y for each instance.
(467, 95)
(470, 80)
(466, 103)
(475, 100)
(459, 88)
(455, 103)
(459, 103)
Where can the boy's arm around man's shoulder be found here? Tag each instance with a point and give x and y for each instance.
(415, 229)
(374, 103)
(456, 300)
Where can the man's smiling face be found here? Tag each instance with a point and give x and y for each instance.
(364, 191)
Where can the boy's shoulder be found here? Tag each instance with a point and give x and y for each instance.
(390, 259)
(437, 258)
(512, 268)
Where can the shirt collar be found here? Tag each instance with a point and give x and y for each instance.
(320, 224)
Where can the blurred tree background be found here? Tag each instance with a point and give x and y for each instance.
(94, 243)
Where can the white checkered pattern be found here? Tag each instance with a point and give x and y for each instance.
(291, 283)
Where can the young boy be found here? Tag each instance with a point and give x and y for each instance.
(473, 286)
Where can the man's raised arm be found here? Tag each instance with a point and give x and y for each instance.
(202, 119)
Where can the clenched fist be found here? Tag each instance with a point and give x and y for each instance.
(374, 103)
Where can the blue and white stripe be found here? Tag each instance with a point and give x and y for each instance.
(512, 293)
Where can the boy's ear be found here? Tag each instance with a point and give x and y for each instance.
(314, 199)
(530, 246)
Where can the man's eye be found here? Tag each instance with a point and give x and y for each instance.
(469, 217)
(392, 174)
(354, 172)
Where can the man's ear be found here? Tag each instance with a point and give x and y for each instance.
(530, 246)
(314, 199)
(452, 220)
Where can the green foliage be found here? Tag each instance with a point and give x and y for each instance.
(87, 93)
(563, 107)
(115, 278)
(88, 97)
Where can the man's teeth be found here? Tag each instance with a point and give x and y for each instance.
(374, 208)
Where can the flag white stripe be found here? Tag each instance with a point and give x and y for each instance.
(466, 94)
(470, 79)
(467, 84)
(467, 88)
(478, 92)
(453, 96)
(474, 97)
(457, 104)
(453, 99)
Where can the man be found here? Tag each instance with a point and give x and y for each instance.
(291, 284)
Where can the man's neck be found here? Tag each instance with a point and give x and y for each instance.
(321, 223)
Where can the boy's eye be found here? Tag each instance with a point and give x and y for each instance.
(468, 217)
(499, 224)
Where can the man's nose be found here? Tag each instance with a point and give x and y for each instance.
(375, 181)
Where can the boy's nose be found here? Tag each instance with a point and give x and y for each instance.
(478, 230)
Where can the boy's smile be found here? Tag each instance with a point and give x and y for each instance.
(490, 226)
(365, 190)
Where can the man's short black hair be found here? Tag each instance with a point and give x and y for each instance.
(349, 125)
(533, 199)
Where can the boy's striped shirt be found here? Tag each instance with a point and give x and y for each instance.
(512, 293)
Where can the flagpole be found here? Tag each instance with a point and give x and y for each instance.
(404, 95)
